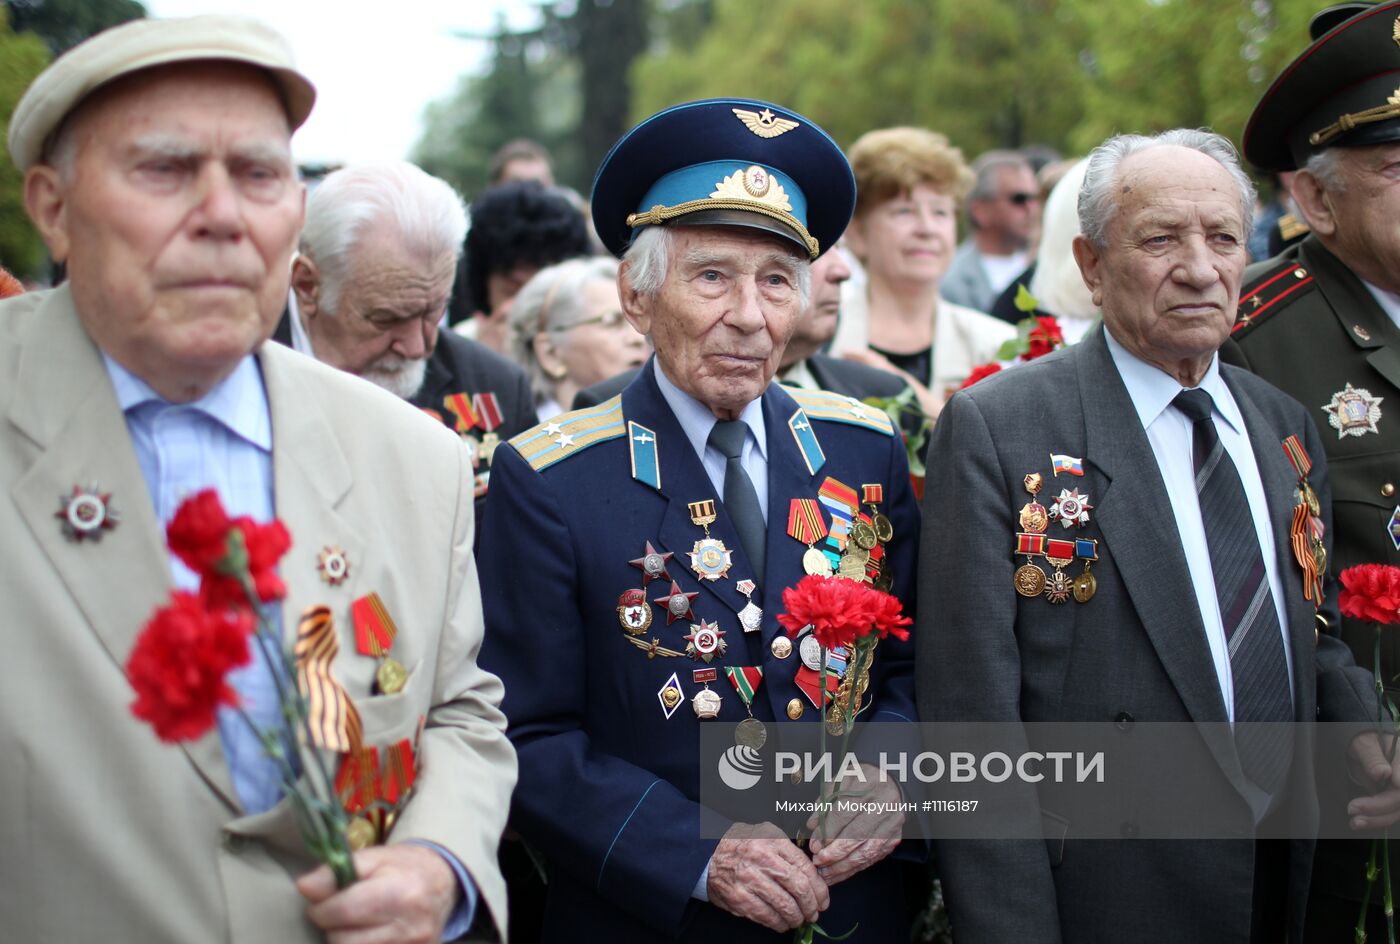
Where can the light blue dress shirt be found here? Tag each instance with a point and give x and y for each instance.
(223, 441)
(1169, 432)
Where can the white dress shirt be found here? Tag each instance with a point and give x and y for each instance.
(1389, 301)
(1169, 432)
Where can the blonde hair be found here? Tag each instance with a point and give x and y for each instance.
(889, 162)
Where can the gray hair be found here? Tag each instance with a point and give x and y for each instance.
(650, 253)
(1098, 199)
(427, 214)
(987, 168)
(1326, 167)
(551, 301)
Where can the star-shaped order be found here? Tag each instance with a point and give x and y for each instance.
(706, 640)
(652, 564)
(674, 601)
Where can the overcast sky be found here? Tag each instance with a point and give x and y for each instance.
(375, 65)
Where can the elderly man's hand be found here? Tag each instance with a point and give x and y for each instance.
(1382, 808)
(757, 873)
(405, 895)
(852, 840)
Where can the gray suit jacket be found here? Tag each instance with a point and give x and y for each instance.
(1136, 652)
(965, 283)
(108, 834)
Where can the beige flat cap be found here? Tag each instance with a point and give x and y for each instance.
(142, 44)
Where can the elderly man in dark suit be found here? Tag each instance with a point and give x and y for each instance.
(638, 551)
(1190, 605)
(371, 280)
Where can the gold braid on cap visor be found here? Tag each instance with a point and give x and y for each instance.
(1391, 109)
(663, 214)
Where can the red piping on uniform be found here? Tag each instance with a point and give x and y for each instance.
(1270, 303)
(1259, 288)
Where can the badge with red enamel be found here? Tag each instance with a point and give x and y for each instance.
(676, 603)
(86, 513)
(652, 564)
(333, 565)
(1071, 509)
(705, 641)
(633, 612)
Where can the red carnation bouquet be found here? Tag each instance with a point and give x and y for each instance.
(179, 666)
(1372, 592)
(1036, 336)
(849, 614)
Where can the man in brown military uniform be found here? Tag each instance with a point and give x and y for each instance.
(1322, 321)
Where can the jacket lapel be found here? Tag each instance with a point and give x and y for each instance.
(65, 405)
(1363, 320)
(788, 478)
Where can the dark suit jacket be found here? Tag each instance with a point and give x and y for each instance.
(1136, 652)
(461, 365)
(610, 786)
(832, 373)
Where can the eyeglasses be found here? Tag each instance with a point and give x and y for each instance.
(1021, 198)
(608, 319)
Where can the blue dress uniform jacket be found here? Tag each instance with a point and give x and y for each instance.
(609, 785)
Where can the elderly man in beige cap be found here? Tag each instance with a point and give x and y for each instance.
(158, 168)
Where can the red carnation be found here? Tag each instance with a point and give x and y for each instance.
(1044, 337)
(179, 663)
(254, 550)
(840, 611)
(1371, 592)
(985, 370)
(198, 534)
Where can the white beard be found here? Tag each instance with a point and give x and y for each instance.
(400, 376)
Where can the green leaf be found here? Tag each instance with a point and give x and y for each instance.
(1025, 301)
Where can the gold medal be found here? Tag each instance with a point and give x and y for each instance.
(815, 563)
(1085, 586)
(863, 535)
(884, 530)
(781, 647)
(795, 709)
(1029, 580)
(835, 721)
(884, 581)
(391, 676)
(360, 833)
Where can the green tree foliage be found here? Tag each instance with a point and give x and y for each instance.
(996, 73)
(62, 24)
(22, 57)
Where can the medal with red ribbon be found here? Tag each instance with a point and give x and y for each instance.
(746, 679)
(374, 636)
(488, 417)
(460, 406)
(1306, 530)
(357, 786)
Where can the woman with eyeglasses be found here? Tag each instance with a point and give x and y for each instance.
(909, 185)
(568, 332)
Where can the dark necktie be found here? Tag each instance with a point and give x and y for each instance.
(1252, 631)
(740, 499)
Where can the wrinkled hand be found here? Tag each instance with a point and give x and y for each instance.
(405, 895)
(930, 402)
(854, 840)
(757, 873)
(1382, 808)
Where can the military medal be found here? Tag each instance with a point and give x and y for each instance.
(633, 612)
(806, 524)
(360, 833)
(464, 418)
(1030, 579)
(709, 558)
(1394, 527)
(652, 564)
(333, 565)
(1306, 529)
(1071, 509)
(705, 641)
(374, 635)
(809, 683)
(746, 680)
(86, 513)
(875, 494)
(488, 417)
(751, 616)
(1353, 412)
(676, 603)
(670, 696)
(706, 701)
(781, 646)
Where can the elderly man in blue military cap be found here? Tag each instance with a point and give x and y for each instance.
(637, 552)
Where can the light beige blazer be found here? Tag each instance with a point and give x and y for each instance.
(105, 832)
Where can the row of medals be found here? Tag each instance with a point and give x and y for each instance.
(1070, 509)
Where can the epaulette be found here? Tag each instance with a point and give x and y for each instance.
(1270, 293)
(570, 433)
(833, 407)
(1291, 227)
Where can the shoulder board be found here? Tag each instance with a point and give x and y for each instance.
(834, 408)
(1272, 291)
(1291, 227)
(568, 434)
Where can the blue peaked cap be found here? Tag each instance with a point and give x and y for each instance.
(725, 161)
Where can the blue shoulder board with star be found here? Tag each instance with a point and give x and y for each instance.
(570, 433)
(833, 407)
